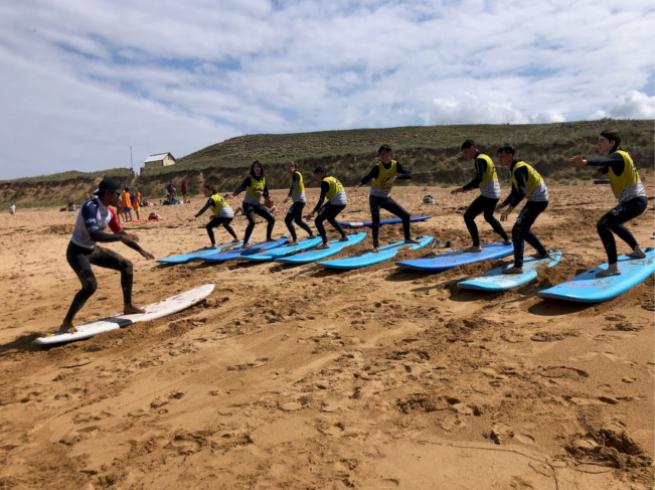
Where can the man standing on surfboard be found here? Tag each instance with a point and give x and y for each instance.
(382, 176)
(95, 215)
(333, 191)
(628, 189)
(528, 183)
(486, 179)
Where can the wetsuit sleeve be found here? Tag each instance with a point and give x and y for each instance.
(614, 160)
(375, 171)
(207, 205)
(325, 187)
(518, 193)
(115, 223)
(480, 169)
(90, 215)
(403, 172)
(265, 193)
(294, 183)
(242, 187)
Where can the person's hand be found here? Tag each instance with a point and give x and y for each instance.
(578, 160)
(505, 214)
(457, 191)
(259, 193)
(129, 238)
(146, 255)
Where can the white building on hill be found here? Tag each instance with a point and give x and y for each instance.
(159, 160)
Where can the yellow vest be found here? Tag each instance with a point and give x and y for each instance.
(300, 188)
(490, 174)
(219, 203)
(335, 186)
(255, 186)
(534, 178)
(628, 177)
(382, 181)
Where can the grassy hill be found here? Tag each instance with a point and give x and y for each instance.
(431, 152)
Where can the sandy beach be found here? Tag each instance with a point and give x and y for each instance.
(295, 377)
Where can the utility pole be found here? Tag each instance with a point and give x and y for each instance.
(131, 161)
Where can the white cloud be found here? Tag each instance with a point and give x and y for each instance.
(90, 78)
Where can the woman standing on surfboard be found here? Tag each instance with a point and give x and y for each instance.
(333, 191)
(256, 188)
(528, 183)
(223, 213)
(627, 188)
(297, 195)
(95, 215)
(486, 179)
(382, 177)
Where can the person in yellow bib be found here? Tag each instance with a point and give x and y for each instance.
(256, 188)
(528, 183)
(223, 213)
(297, 195)
(627, 188)
(334, 192)
(382, 177)
(486, 179)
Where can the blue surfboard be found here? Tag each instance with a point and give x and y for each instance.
(371, 258)
(496, 281)
(388, 221)
(587, 288)
(458, 258)
(334, 247)
(274, 253)
(241, 252)
(197, 254)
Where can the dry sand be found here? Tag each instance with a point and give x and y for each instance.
(292, 377)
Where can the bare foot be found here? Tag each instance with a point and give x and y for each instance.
(474, 249)
(247, 245)
(375, 250)
(322, 246)
(131, 309)
(411, 241)
(513, 270)
(65, 327)
(507, 242)
(608, 272)
(637, 253)
(294, 242)
(343, 239)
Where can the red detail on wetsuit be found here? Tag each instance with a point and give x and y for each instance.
(115, 223)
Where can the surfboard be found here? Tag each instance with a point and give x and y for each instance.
(388, 221)
(153, 311)
(587, 288)
(457, 258)
(496, 281)
(197, 254)
(242, 252)
(284, 250)
(371, 258)
(334, 247)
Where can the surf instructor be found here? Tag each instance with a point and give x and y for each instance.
(94, 216)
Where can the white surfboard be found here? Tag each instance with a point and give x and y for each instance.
(153, 311)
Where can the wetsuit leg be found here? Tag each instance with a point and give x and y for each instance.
(226, 222)
(489, 208)
(522, 233)
(374, 203)
(248, 210)
(264, 213)
(288, 220)
(213, 223)
(393, 207)
(297, 217)
(329, 213)
(613, 222)
(109, 259)
(78, 259)
(473, 211)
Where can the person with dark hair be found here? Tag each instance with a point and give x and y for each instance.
(223, 213)
(255, 186)
(382, 177)
(183, 190)
(628, 190)
(486, 179)
(297, 195)
(333, 191)
(126, 205)
(95, 215)
(528, 183)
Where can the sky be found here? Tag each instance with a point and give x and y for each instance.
(82, 81)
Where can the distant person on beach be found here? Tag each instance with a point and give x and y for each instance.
(136, 204)
(256, 188)
(223, 213)
(126, 205)
(334, 192)
(297, 195)
(486, 179)
(628, 190)
(528, 183)
(171, 192)
(12, 208)
(382, 177)
(96, 215)
(183, 190)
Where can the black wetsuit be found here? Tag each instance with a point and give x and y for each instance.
(386, 202)
(251, 209)
(481, 204)
(613, 220)
(295, 212)
(216, 221)
(521, 232)
(329, 212)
